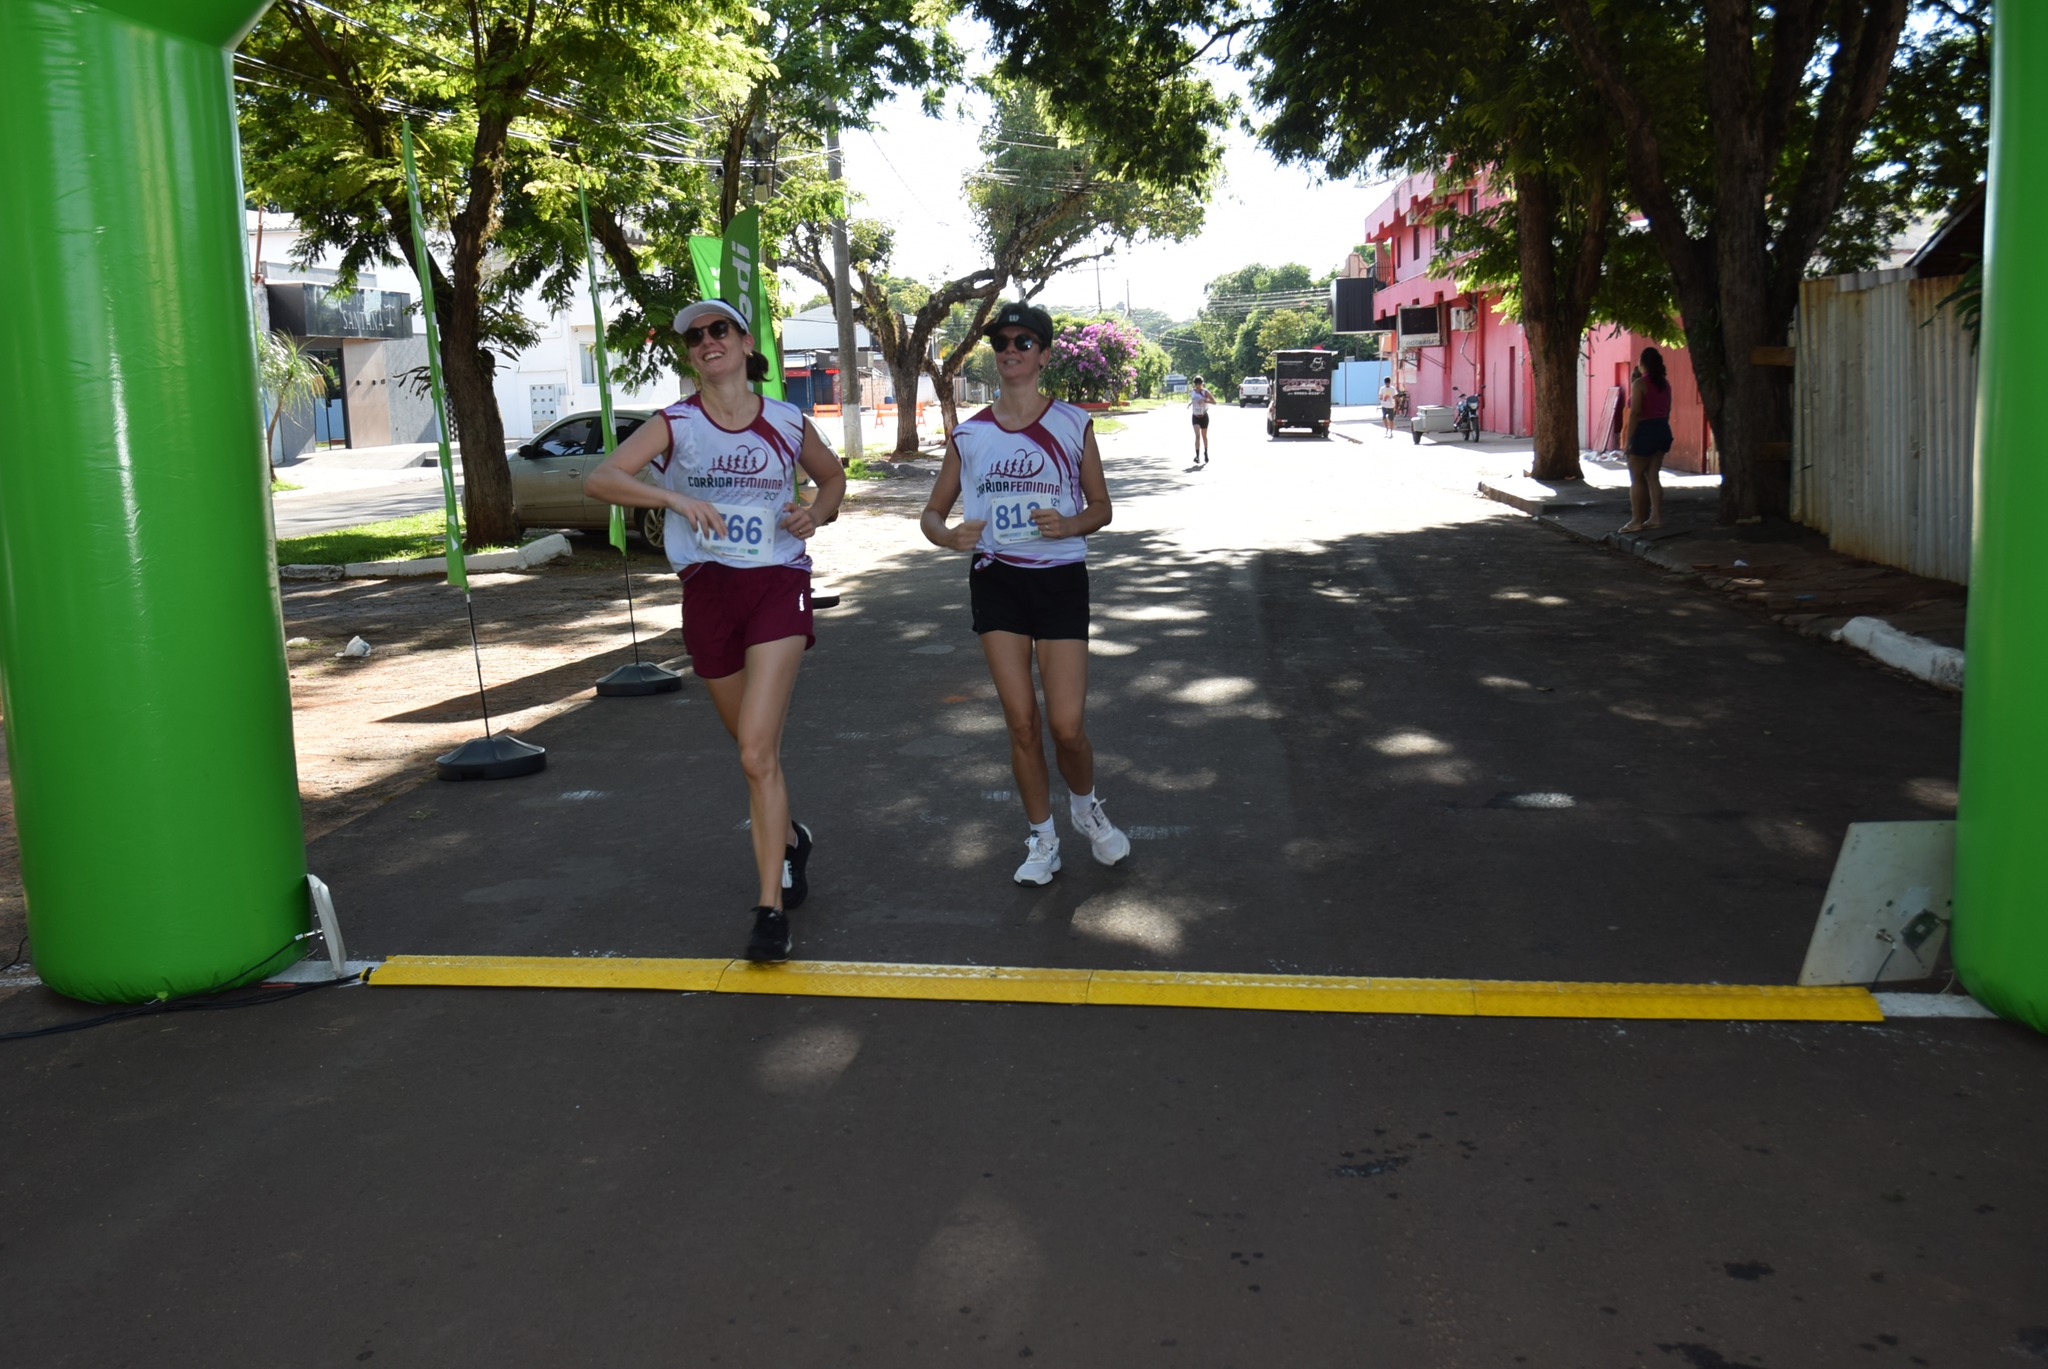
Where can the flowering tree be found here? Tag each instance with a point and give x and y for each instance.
(1093, 360)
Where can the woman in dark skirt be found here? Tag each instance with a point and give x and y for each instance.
(1649, 436)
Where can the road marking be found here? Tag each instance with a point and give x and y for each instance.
(1148, 988)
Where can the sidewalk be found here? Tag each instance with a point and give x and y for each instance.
(1906, 621)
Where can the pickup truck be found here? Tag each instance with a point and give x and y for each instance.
(1254, 390)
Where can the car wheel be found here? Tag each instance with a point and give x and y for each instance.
(650, 526)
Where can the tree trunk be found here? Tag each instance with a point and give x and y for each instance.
(1553, 320)
(487, 515)
(906, 415)
(1553, 364)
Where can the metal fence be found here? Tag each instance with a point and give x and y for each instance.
(1885, 397)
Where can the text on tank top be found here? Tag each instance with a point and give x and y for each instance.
(1005, 475)
(746, 474)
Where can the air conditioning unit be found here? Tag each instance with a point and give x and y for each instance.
(1463, 320)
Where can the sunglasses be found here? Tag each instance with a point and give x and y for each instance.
(1023, 342)
(718, 328)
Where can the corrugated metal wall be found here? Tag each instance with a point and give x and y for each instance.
(1885, 421)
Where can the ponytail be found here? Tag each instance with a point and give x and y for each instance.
(757, 367)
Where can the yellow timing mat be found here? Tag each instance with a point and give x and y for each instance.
(1142, 988)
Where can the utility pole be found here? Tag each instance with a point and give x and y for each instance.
(842, 306)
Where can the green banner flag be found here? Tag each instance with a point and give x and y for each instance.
(705, 254)
(458, 569)
(744, 285)
(604, 370)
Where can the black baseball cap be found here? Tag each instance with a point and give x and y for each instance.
(1029, 317)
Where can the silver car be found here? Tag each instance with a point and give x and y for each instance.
(548, 471)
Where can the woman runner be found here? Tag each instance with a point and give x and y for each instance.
(1199, 399)
(1034, 487)
(727, 459)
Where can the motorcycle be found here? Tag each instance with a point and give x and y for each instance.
(1468, 415)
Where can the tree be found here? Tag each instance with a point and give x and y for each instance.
(1041, 206)
(1093, 359)
(1741, 125)
(1488, 95)
(320, 135)
(295, 380)
(1742, 128)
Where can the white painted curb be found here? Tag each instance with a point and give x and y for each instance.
(533, 553)
(1938, 665)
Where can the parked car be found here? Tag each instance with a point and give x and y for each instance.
(548, 471)
(1254, 390)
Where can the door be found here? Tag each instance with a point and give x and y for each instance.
(547, 474)
(595, 513)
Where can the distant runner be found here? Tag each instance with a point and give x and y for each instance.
(1199, 400)
(1387, 404)
(1033, 480)
(738, 539)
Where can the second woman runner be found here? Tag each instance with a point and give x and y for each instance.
(1035, 490)
(737, 537)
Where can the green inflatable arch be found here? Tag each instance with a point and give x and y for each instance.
(141, 645)
(141, 642)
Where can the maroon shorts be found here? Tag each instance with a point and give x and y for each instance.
(726, 610)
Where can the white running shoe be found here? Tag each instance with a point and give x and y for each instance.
(1041, 860)
(1108, 843)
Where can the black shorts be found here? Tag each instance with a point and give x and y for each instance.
(1201, 420)
(1652, 438)
(1044, 603)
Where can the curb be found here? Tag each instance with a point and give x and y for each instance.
(534, 553)
(1930, 662)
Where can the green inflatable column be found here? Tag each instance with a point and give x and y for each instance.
(141, 645)
(2001, 927)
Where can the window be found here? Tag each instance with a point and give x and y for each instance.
(1415, 241)
(1472, 202)
(573, 438)
(588, 353)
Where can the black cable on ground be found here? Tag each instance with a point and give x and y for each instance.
(18, 946)
(210, 1000)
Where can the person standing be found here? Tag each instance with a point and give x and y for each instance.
(1387, 404)
(1199, 400)
(736, 535)
(1034, 488)
(1648, 429)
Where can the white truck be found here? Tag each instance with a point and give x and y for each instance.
(1254, 390)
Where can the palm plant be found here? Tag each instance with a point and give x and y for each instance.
(294, 379)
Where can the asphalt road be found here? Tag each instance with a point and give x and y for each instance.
(302, 513)
(1326, 682)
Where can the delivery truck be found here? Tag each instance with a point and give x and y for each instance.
(1301, 392)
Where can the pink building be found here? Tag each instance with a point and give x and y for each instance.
(1461, 343)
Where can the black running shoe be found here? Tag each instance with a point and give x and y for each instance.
(795, 887)
(771, 939)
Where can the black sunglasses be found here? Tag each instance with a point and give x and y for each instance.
(718, 328)
(1023, 342)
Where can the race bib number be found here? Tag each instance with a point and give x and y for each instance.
(746, 531)
(1010, 519)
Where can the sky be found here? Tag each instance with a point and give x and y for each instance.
(909, 171)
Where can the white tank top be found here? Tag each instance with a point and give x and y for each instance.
(748, 475)
(1004, 475)
(1198, 403)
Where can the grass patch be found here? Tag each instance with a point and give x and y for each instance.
(859, 469)
(280, 486)
(1105, 426)
(395, 539)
